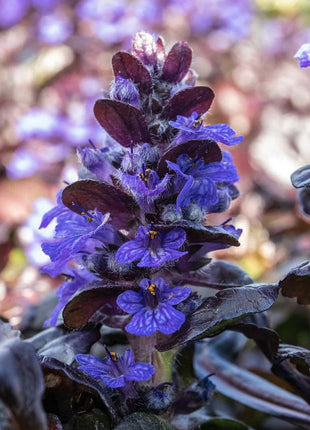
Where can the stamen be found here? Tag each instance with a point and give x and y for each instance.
(92, 144)
(151, 289)
(112, 355)
(84, 212)
(153, 234)
(197, 122)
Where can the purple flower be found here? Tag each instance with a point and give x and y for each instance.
(303, 55)
(72, 234)
(115, 371)
(152, 247)
(197, 181)
(77, 279)
(12, 11)
(96, 161)
(54, 29)
(145, 186)
(192, 128)
(125, 91)
(153, 307)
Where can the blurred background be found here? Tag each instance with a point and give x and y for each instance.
(55, 62)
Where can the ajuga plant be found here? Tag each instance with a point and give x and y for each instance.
(147, 325)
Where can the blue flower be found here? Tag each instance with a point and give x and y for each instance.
(145, 186)
(77, 279)
(197, 181)
(153, 307)
(192, 128)
(303, 55)
(115, 371)
(96, 161)
(152, 247)
(72, 234)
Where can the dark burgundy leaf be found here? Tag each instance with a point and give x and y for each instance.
(266, 339)
(297, 283)
(65, 348)
(84, 304)
(251, 390)
(219, 274)
(177, 62)
(208, 149)
(65, 385)
(301, 177)
(218, 312)
(185, 102)
(21, 384)
(129, 67)
(145, 48)
(297, 355)
(123, 122)
(299, 382)
(106, 198)
(143, 421)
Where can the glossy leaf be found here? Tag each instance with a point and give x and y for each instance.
(297, 284)
(104, 197)
(185, 102)
(256, 327)
(65, 348)
(208, 149)
(123, 122)
(250, 389)
(177, 62)
(219, 274)
(84, 304)
(143, 421)
(129, 67)
(222, 310)
(301, 177)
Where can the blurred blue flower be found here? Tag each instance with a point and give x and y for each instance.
(152, 247)
(152, 307)
(303, 55)
(115, 371)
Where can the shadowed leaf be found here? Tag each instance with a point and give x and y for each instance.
(66, 385)
(185, 102)
(256, 327)
(106, 198)
(123, 122)
(143, 421)
(177, 62)
(65, 348)
(222, 310)
(208, 149)
(129, 67)
(219, 274)
(297, 283)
